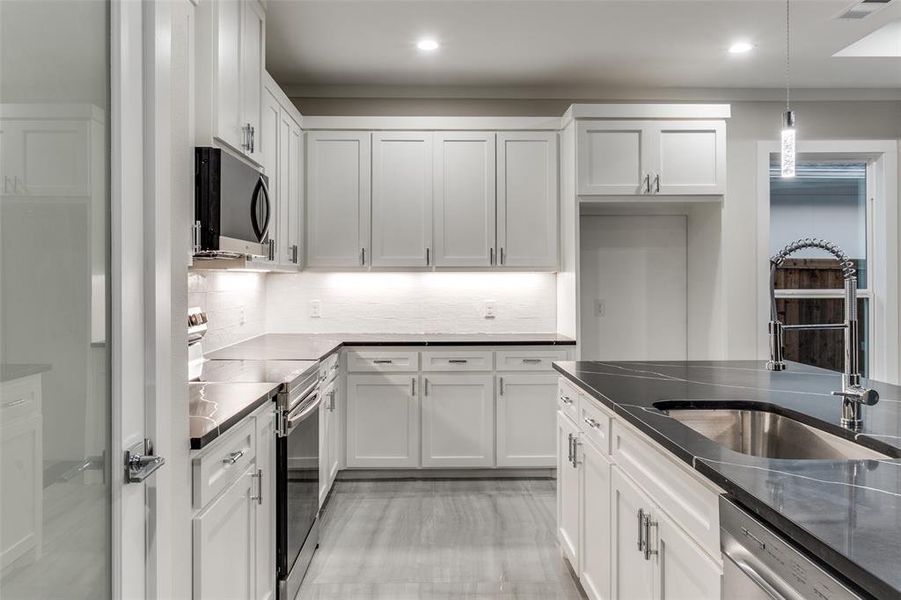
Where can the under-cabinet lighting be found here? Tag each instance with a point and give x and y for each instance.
(740, 47)
(427, 45)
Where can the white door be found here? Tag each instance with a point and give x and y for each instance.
(683, 570)
(228, 24)
(633, 288)
(224, 544)
(401, 199)
(595, 572)
(464, 199)
(631, 573)
(382, 421)
(613, 158)
(265, 513)
(457, 420)
(526, 404)
(689, 158)
(338, 198)
(568, 490)
(252, 52)
(527, 199)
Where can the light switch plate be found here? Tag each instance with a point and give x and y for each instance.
(315, 309)
(489, 309)
(600, 307)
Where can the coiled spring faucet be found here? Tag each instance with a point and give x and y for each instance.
(854, 396)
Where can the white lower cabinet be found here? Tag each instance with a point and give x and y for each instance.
(568, 490)
(457, 420)
(526, 403)
(595, 569)
(224, 543)
(624, 541)
(383, 420)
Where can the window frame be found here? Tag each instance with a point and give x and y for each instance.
(882, 224)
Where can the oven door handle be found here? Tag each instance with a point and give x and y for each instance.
(302, 412)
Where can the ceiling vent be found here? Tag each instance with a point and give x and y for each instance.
(864, 9)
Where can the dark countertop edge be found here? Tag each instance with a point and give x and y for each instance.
(854, 575)
(204, 441)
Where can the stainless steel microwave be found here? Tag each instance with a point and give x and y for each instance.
(232, 206)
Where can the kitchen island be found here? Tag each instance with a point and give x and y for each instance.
(846, 513)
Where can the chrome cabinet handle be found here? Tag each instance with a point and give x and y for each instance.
(294, 253)
(428, 257)
(425, 386)
(271, 249)
(569, 458)
(491, 255)
(457, 361)
(648, 523)
(641, 540)
(253, 138)
(259, 477)
(647, 183)
(382, 361)
(233, 457)
(576, 444)
(502, 256)
(591, 422)
(531, 361)
(566, 400)
(657, 184)
(363, 256)
(18, 402)
(412, 386)
(501, 381)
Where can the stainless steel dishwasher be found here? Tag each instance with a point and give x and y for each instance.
(759, 564)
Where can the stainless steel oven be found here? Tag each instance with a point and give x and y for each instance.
(297, 483)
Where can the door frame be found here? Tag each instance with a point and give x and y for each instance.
(882, 184)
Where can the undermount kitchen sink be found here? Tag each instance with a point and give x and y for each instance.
(769, 435)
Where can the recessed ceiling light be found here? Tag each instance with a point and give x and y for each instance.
(740, 47)
(427, 44)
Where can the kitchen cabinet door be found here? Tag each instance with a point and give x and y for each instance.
(689, 158)
(289, 136)
(595, 572)
(457, 420)
(224, 543)
(265, 509)
(334, 440)
(382, 421)
(227, 25)
(614, 157)
(464, 199)
(683, 571)
(295, 195)
(527, 204)
(568, 491)
(270, 152)
(48, 158)
(337, 198)
(253, 24)
(526, 404)
(401, 199)
(21, 500)
(632, 575)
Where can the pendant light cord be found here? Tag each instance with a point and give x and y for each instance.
(787, 55)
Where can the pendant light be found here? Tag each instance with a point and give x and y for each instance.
(788, 117)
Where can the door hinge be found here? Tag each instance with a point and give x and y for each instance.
(195, 237)
(140, 462)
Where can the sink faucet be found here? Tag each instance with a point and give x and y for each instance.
(854, 396)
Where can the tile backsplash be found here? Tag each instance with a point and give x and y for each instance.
(412, 302)
(235, 303)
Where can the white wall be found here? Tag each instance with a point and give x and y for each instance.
(724, 283)
(410, 302)
(235, 303)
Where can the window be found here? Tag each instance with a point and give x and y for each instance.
(827, 200)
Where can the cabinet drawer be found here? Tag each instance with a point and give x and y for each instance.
(223, 462)
(20, 398)
(595, 423)
(568, 399)
(368, 361)
(691, 504)
(528, 360)
(457, 360)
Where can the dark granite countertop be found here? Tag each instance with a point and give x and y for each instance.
(9, 372)
(302, 346)
(215, 407)
(846, 512)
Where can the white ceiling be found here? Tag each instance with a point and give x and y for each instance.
(548, 46)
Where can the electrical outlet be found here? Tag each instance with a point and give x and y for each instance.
(315, 309)
(489, 309)
(600, 307)
(243, 315)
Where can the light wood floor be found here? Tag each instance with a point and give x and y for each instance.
(456, 539)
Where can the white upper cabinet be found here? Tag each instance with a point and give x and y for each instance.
(230, 48)
(289, 142)
(464, 199)
(527, 199)
(269, 150)
(650, 158)
(401, 199)
(338, 199)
